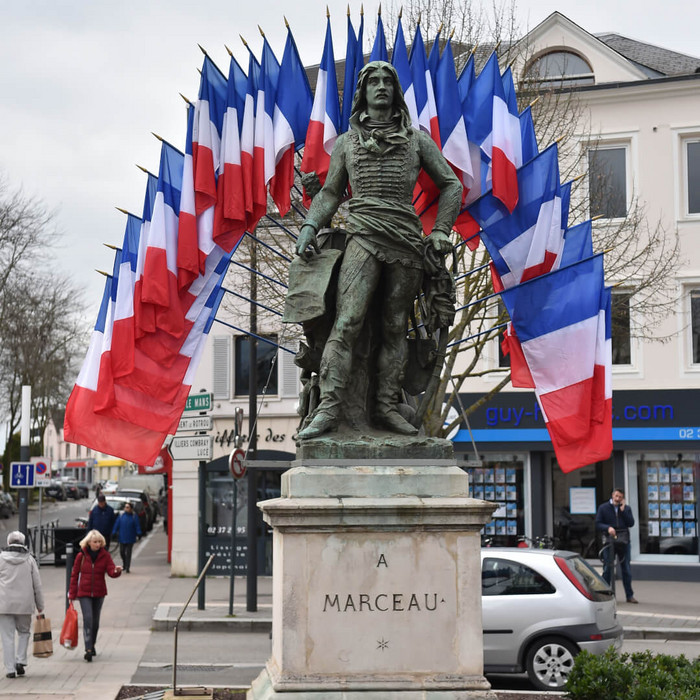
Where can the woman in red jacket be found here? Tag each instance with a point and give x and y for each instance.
(87, 584)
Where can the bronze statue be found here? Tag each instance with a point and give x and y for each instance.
(384, 260)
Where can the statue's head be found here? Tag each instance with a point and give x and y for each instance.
(359, 102)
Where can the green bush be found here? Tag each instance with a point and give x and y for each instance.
(638, 676)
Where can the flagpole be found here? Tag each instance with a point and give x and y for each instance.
(251, 452)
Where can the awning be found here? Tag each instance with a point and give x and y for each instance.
(111, 462)
(73, 464)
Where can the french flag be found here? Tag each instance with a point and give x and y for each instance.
(264, 145)
(83, 426)
(557, 318)
(144, 314)
(434, 57)
(354, 60)
(159, 284)
(399, 59)
(290, 121)
(528, 139)
(529, 241)
(187, 238)
(423, 89)
(248, 137)
(578, 243)
(324, 125)
(379, 52)
(230, 214)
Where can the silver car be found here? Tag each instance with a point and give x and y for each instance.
(540, 607)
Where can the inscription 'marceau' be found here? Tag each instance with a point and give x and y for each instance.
(382, 602)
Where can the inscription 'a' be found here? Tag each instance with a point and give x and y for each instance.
(382, 561)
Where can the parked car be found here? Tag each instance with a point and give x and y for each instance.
(109, 487)
(540, 607)
(71, 487)
(151, 506)
(56, 490)
(83, 489)
(7, 505)
(117, 502)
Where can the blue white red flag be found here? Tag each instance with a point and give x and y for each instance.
(82, 425)
(290, 122)
(559, 319)
(159, 286)
(399, 59)
(423, 89)
(324, 125)
(187, 238)
(248, 135)
(354, 61)
(264, 151)
(453, 131)
(528, 242)
(230, 218)
(466, 78)
(144, 314)
(379, 52)
(434, 57)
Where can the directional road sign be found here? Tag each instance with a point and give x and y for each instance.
(198, 402)
(194, 447)
(195, 423)
(22, 475)
(236, 464)
(42, 471)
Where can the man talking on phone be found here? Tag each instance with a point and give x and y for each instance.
(613, 521)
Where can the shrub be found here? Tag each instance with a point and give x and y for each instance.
(637, 676)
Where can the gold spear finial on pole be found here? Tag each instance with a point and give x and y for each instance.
(203, 50)
(245, 43)
(123, 211)
(160, 138)
(184, 98)
(262, 33)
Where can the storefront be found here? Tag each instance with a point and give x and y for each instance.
(656, 459)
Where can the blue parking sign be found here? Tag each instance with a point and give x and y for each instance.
(22, 475)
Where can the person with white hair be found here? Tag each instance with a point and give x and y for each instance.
(20, 593)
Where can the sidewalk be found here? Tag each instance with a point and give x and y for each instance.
(135, 642)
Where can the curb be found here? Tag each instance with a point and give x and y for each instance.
(686, 634)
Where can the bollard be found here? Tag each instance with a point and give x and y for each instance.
(69, 568)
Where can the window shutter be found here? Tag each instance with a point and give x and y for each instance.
(221, 381)
(289, 372)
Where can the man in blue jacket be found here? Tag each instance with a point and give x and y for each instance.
(613, 521)
(128, 529)
(102, 518)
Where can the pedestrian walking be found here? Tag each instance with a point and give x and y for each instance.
(101, 518)
(128, 530)
(614, 519)
(87, 584)
(20, 593)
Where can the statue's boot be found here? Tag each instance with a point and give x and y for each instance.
(385, 412)
(326, 416)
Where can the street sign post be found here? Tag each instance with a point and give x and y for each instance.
(195, 423)
(22, 475)
(198, 402)
(42, 471)
(236, 464)
(200, 447)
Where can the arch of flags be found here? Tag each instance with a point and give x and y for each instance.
(242, 135)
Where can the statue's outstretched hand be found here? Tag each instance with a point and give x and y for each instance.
(307, 243)
(440, 242)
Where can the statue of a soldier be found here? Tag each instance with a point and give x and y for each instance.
(380, 158)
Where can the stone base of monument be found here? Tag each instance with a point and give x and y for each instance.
(376, 584)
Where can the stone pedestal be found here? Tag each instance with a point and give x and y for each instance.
(376, 584)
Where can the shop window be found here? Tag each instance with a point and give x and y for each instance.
(621, 343)
(667, 487)
(503, 577)
(266, 365)
(695, 324)
(692, 167)
(560, 69)
(607, 174)
(500, 479)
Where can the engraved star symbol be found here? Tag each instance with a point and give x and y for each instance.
(382, 644)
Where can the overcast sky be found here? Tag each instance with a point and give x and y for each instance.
(83, 84)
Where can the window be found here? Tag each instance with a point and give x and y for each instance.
(692, 161)
(505, 577)
(607, 173)
(695, 324)
(621, 345)
(559, 69)
(266, 366)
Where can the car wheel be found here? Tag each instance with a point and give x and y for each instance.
(549, 661)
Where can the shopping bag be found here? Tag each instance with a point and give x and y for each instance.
(43, 643)
(69, 631)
